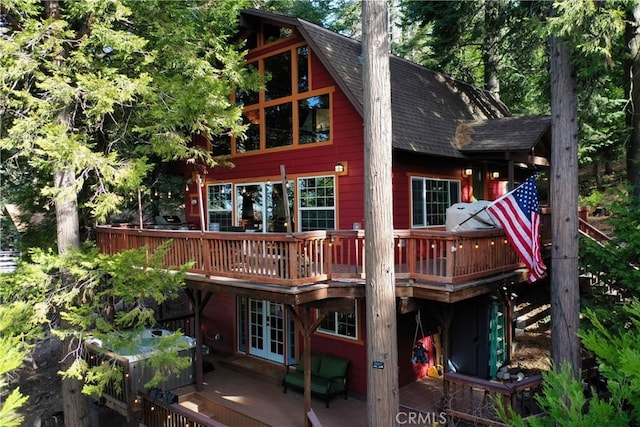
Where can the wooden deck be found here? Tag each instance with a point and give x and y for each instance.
(260, 396)
(433, 257)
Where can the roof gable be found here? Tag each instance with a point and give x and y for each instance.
(427, 107)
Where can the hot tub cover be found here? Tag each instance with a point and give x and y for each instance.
(470, 216)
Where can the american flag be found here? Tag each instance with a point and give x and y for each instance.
(518, 214)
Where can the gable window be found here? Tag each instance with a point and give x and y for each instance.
(341, 324)
(303, 69)
(430, 199)
(277, 71)
(313, 119)
(273, 33)
(219, 205)
(286, 113)
(317, 203)
(279, 125)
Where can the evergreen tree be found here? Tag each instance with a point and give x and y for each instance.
(93, 93)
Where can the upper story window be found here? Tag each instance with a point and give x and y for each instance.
(273, 33)
(286, 113)
(317, 203)
(219, 206)
(277, 72)
(430, 199)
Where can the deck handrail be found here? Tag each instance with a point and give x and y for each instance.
(474, 399)
(432, 256)
(155, 412)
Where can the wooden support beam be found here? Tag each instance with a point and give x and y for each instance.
(197, 310)
(306, 325)
(408, 304)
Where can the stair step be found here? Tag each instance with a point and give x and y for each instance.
(195, 404)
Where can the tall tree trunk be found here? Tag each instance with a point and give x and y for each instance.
(565, 292)
(382, 341)
(633, 106)
(74, 403)
(491, 59)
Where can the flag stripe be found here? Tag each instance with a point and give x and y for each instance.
(517, 213)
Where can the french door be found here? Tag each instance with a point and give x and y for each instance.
(266, 330)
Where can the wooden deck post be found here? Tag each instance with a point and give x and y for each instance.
(303, 320)
(199, 303)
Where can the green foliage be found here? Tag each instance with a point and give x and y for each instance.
(83, 289)
(341, 16)
(9, 415)
(618, 352)
(594, 199)
(610, 330)
(563, 403)
(16, 333)
(615, 261)
(111, 88)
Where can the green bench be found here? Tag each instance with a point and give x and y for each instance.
(328, 376)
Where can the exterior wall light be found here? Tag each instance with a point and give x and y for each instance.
(495, 175)
(467, 172)
(340, 168)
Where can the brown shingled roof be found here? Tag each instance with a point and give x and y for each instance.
(427, 107)
(505, 134)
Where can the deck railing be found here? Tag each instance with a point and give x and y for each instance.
(474, 400)
(309, 257)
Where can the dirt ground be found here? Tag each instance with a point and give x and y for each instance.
(43, 385)
(38, 379)
(532, 351)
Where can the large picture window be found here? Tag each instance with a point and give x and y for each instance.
(317, 203)
(341, 324)
(314, 119)
(430, 199)
(286, 113)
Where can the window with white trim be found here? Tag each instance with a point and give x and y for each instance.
(430, 199)
(317, 203)
(341, 324)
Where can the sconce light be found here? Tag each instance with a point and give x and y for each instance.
(340, 168)
(495, 175)
(467, 172)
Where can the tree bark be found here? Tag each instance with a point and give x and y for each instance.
(565, 291)
(74, 403)
(632, 112)
(382, 348)
(490, 55)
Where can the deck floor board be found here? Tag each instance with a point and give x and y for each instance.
(261, 397)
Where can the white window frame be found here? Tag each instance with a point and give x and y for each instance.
(337, 322)
(219, 209)
(302, 209)
(427, 210)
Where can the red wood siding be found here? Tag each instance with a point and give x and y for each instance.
(407, 165)
(347, 147)
(218, 317)
(355, 352)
